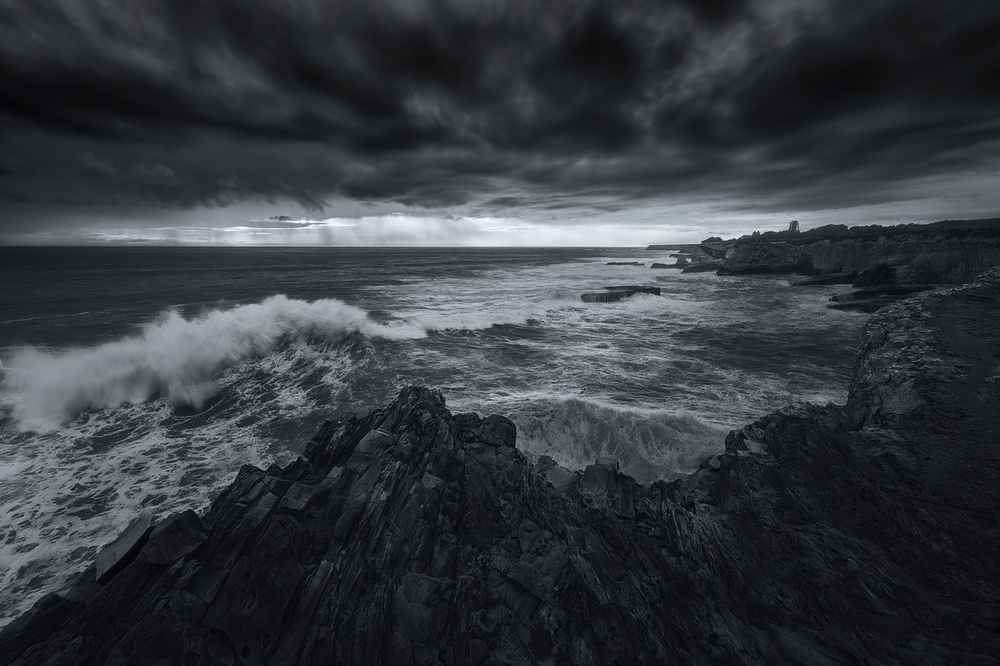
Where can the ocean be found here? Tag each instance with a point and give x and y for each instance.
(139, 379)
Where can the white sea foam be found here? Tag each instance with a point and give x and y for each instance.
(649, 443)
(66, 492)
(175, 357)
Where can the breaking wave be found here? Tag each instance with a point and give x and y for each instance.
(175, 357)
(649, 444)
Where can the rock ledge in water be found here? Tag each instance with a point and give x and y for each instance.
(615, 294)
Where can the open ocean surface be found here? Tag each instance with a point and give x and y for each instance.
(140, 379)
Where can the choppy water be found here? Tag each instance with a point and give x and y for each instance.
(140, 379)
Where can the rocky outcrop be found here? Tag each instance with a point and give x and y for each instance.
(823, 280)
(820, 535)
(680, 263)
(615, 294)
(704, 267)
(912, 258)
(771, 257)
(870, 299)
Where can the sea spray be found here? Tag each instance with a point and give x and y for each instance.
(175, 357)
(649, 444)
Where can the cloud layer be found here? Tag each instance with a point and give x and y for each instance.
(492, 107)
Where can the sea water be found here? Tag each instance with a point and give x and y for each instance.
(139, 379)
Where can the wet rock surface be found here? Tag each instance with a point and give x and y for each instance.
(870, 299)
(615, 294)
(821, 535)
(823, 280)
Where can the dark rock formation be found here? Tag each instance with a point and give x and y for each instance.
(912, 258)
(822, 280)
(626, 263)
(760, 257)
(865, 534)
(870, 299)
(879, 274)
(704, 267)
(615, 294)
(680, 263)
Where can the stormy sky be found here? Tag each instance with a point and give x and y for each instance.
(491, 121)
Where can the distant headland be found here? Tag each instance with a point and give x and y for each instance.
(883, 263)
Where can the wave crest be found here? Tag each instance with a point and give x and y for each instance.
(175, 357)
(649, 444)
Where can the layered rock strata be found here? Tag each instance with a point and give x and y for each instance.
(913, 258)
(821, 535)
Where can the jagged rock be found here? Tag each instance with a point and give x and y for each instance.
(858, 534)
(113, 557)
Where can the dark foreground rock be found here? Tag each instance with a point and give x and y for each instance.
(864, 534)
(615, 294)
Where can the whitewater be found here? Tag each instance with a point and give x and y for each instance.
(139, 380)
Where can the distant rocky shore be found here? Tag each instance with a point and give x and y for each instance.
(864, 533)
(888, 262)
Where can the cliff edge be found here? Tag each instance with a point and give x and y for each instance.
(866, 533)
(947, 252)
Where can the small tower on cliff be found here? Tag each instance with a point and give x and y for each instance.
(793, 227)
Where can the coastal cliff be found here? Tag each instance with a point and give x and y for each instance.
(947, 252)
(864, 533)
(911, 258)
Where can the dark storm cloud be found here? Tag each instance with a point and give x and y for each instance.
(183, 103)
